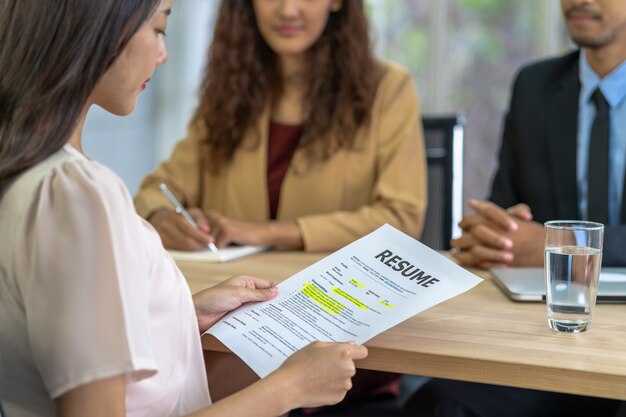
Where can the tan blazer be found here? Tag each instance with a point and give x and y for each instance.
(334, 202)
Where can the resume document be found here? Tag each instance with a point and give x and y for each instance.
(353, 294)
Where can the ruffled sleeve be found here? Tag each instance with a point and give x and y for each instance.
(87, 300)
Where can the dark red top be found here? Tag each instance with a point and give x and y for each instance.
(283, 141)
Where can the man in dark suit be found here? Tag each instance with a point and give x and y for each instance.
(547, 148)
(553, 165)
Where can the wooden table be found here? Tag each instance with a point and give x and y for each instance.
(479, 336)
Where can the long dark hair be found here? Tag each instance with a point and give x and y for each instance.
(52, 54)
(242, 73)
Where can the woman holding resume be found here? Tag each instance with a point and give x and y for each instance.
(95, 318)
(302, 139)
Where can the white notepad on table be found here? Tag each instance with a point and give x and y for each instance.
(223, 255)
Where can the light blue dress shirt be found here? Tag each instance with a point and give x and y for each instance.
(613, 87)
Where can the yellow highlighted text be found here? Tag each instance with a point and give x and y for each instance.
(357, 283)
(350, 298)
(324, 300)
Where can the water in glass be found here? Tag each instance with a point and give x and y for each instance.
(571, 284)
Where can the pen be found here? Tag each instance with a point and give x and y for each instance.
(181, 210)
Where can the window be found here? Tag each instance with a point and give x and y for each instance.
(464, 55)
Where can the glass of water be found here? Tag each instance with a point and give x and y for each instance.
(573, 255)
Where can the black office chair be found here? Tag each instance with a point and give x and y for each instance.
(443, 137)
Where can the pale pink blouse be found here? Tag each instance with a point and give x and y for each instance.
(88, 292)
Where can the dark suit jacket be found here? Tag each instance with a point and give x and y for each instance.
(537, 163)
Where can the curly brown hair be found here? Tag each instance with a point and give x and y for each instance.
(242, 74)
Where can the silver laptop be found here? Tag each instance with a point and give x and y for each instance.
(527, 284)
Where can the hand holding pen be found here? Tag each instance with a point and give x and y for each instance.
(180, 229)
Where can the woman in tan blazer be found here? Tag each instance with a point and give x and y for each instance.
(302, 139)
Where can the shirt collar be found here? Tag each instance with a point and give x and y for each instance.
(613, 86)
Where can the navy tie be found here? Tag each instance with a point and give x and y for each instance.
(598, 167)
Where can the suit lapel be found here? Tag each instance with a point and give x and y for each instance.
(260, 162)
(247, 174)
(562, 142)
